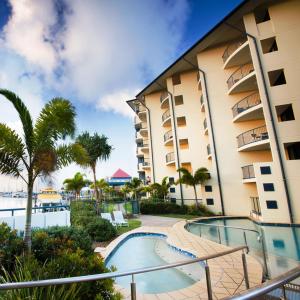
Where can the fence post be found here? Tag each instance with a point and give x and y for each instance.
(208, 282)
(133, 289)
(245, 271)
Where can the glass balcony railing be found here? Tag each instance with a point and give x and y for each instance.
(166, 115)
(254, 135)
(170, 157)
(248, 172)
(231, 48)
(240, 73)
(246, 103)
(168, 135)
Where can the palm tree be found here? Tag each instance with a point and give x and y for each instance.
(101, 185)
(148, 189)
(109, 190)
(98, 149)
(134, 186)
(76, 183)
(161, 189)
(200, 177)
(125, 190)
(37, 152)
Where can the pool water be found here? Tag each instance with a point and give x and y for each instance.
(148, 251)
(282, 243)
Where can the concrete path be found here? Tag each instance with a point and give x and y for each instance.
(158, 221)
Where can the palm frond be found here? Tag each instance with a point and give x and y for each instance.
(10, 164)
(24, 115)
(201, 175)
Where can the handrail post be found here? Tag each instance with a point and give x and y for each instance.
(219, 235)
(200, 231)
(133, 288)
(264, 254)
(245, 239)
(245, 270)
(208, 282)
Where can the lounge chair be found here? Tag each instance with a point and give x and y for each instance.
(119, 219)
(107, 216)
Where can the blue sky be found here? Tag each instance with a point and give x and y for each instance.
(96, 54)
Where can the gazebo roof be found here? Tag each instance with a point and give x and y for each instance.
(120, 174)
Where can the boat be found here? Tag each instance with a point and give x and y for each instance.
(49, 197)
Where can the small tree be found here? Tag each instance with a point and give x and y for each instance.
(134, 186)
(125, 190)
(200, 177)
(76, 183)
(100, 185)
(161, 190)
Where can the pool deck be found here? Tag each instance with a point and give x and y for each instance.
(226, 272)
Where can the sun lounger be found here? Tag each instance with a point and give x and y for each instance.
(119, 219)
(107, 216)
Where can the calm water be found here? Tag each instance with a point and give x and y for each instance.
(12, 203)
(282, 243)
(148, 251)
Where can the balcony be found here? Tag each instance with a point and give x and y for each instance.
(205, 127)
(142, 112)
(146, 164)
(170, 159)
(168, 138)
(248, 174)
(138, 137)
(254, 140)
(208, 151)
(166, 118)
(164, 99)
(249, 108)
(202, 103)
(139, 152)
(236, 53)
(144, 146)
(143, 129)
(242, 80)
(137, 123)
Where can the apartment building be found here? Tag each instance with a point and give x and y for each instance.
(231, 103)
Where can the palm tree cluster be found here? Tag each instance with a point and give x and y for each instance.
(76, 183)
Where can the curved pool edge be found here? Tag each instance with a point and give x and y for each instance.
(226, 273)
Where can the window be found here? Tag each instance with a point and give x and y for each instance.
(278, 244)
(173, 200)
(265, 170)
(269, 45)
(210, 201)
(272, 204)
(184, 143)
(268, 187)
(292, 150)
(172, 190)
(176, 79)
(208, 188)
(178, 100)
(171, 180)
(261, 15)
(277, 77)
(285, 113)
(181, 121)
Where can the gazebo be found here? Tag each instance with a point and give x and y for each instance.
(119, 178)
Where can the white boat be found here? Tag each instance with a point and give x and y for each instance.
(50, 197)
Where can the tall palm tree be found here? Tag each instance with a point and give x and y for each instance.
(98, 149)
(134, 185)
(161, 189)
(200, 177)
(37, 152)
(76, 183)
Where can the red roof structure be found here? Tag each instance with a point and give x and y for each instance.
(120, 174)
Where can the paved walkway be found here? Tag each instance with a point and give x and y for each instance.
(158, 221)
(226, 272)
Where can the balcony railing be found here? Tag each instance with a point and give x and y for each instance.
(208, 149)
(141, 108)
(166, 115)
(168, 135)
(201, 100)
(205, 124)
(143, 125)
(240, 73)
(146, 162)
(163, 96)
(254, 135)
(231, 48)
(248, 172)
(246, 103)
(170, 157)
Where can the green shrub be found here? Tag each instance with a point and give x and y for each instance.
(148, 208)
(201, 211)
(10, 246)
(100, 230)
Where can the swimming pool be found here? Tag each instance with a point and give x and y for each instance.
(282, 243)
(148, 250)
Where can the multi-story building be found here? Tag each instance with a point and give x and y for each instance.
(231, 103)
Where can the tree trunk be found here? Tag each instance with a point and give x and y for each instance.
(196, 197)
(27, 233)
(96, 189)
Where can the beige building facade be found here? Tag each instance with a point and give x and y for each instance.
(231, 104)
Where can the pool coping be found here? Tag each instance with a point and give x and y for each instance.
(226, 272)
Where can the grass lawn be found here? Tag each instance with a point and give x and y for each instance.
(187, 217)
(133, 223)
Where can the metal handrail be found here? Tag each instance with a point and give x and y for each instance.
(246, 103)
(248, 172)
(253, 135)
(268, 286)
(170, 157)
(231, 48)
(165, 115)
(168, 135)
(112, 275)
(163, 96)
(240, 73)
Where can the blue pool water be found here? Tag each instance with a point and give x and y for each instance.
(282, 243)
(140, 251)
